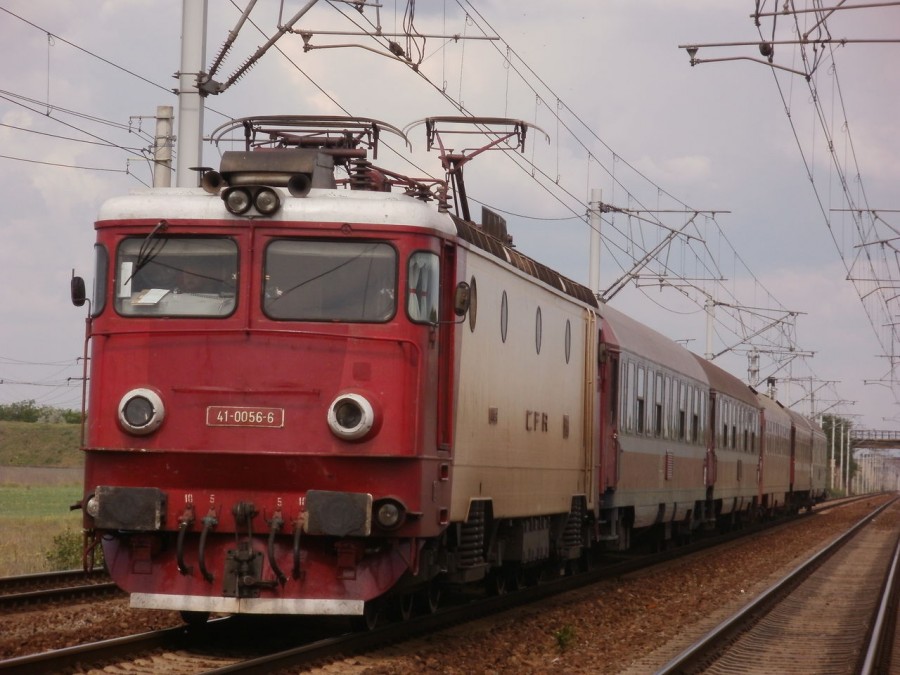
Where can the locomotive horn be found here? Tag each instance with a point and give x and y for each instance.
(212, 181)
(299, 184)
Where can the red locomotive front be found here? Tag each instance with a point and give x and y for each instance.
(265, 432)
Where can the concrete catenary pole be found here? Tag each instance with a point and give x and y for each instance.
(843, 463)
(162, 147)
(594, 262)
(831, 461)
(190, 102)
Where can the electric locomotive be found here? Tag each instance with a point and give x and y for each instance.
(274, 372)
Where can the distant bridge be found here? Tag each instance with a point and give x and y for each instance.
(874, 438)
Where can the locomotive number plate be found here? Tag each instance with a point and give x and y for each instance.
(234, 416)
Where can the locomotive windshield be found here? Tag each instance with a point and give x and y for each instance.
(330, 280)
(169, 276)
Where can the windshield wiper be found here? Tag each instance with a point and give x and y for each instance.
(150, 248)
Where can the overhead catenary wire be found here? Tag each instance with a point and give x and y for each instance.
(873, 300)
(551, 184)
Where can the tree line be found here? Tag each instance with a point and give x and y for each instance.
(30, 411)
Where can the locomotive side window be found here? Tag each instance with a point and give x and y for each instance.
(101, 279)
(423, 287)
(473, 303)
(504, 316)
(176, 276)
(308, 280)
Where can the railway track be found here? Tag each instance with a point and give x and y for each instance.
(31, 589)
(819, 618)
(168, 643)
(199, 649)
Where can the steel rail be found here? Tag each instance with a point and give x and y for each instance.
(878, 651)
(53, 578)
(700, 650)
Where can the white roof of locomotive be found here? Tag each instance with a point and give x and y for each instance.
(320, 205)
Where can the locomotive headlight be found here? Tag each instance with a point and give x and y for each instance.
(351, 416)
(237, 200)
(141, 411)
(267, 201)
(389, 514)
(93, 506)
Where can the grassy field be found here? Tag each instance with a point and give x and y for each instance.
(32, 520)
(34, 501)
(36, 444)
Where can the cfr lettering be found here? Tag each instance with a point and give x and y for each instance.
(535, 421)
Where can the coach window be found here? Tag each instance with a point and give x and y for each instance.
(176, 276)
(658, 406)
(629, 389)
(640, 410)
(568, 340)
(310, 280)
(667, 408)
(538, 330)
(695, 416)
(424, 288)
(723, 412)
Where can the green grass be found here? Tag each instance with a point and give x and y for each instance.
(37, 501)
(29, 545)
(40, 444)
(32, 519)
(36, 526)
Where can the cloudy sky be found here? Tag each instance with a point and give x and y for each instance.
(748, 162)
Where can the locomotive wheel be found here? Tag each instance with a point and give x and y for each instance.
(370, 617)
(519, 579)
(586, 561)
(402, 606)
(430, 598)
(194, 618)
(497, 582)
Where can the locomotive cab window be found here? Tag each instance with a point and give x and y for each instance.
(308, 280)
(423, 287)
(169, 276)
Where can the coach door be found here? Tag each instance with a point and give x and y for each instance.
(793, 454)
(710, 465)
(609, 423)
